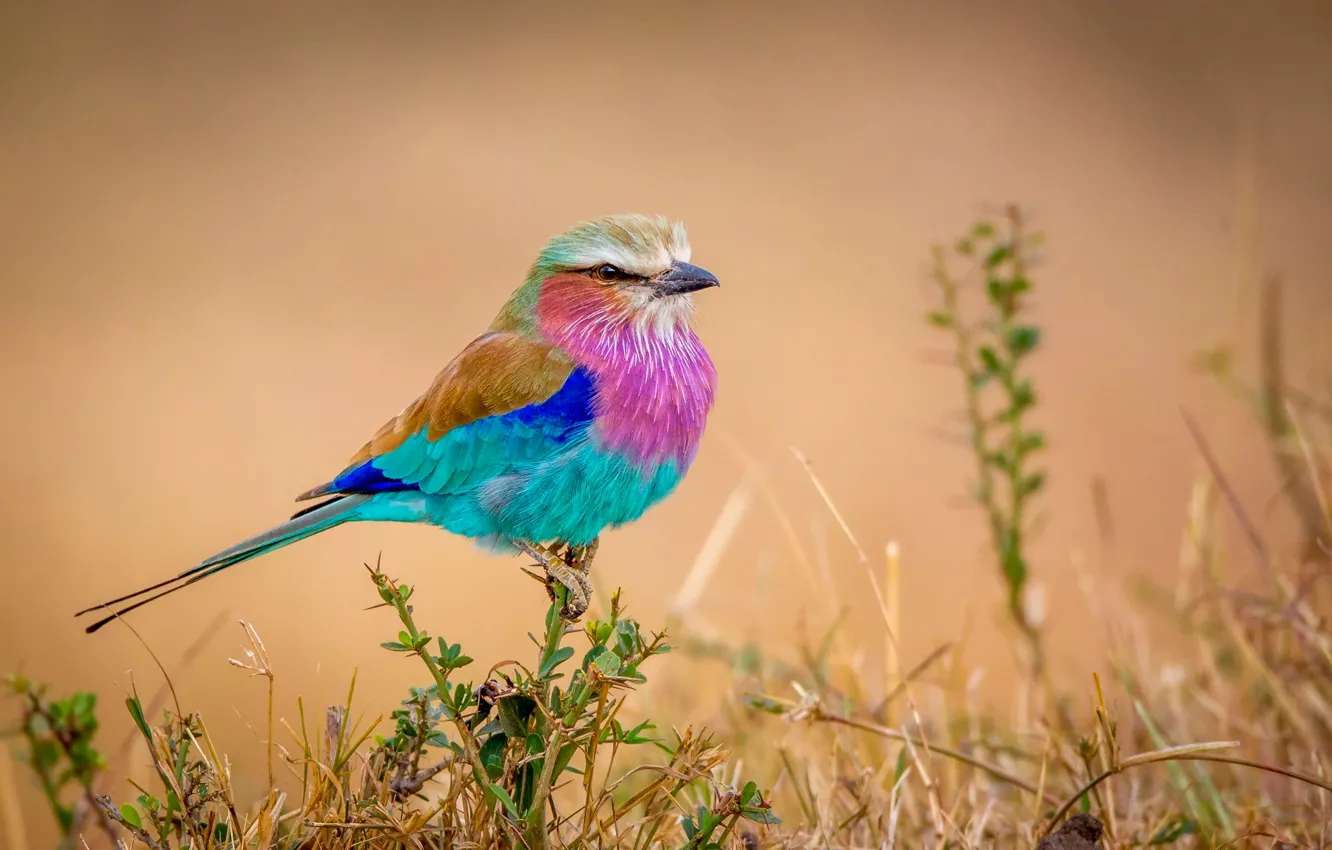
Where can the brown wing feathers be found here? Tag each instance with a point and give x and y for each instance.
(496, 374)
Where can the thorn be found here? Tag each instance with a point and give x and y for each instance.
(532, 574)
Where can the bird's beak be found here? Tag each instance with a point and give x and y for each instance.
(684, 277)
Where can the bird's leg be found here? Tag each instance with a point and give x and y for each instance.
(557, 570)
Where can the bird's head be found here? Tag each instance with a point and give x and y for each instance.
(621, 267)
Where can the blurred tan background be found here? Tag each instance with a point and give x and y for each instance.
(236, 237)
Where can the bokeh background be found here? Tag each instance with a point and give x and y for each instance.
(236, 237)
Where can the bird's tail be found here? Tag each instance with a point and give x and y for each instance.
(304, 524)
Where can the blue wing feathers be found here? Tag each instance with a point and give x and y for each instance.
(366, 478)
(571, 405)
(469, 455)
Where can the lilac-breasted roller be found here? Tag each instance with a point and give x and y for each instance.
(580, 408)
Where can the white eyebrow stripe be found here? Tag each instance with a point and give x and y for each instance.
(636, 263)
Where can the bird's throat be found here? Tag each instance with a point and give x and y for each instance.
(654, 384)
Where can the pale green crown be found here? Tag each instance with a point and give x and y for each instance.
(642, 244)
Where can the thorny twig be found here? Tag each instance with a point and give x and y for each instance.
(108, 809)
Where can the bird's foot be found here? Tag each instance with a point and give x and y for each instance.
(580, 557)
(578, 592)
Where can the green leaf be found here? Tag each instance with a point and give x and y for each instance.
(690, 828)
(989, 360)
(615, 732)
(1023, 339)
(901, 765)
(556, 658)
(563, 758)
(983, 230)
(45, 753)
(760, 814)
(492, 755)
(504, 798)
(525, 780)
(634, 735)
(939, 319)
(1031, 441)
(608, 663)
(1015, 569)
(136, 711)
(394, 646)
(83, 703)
(998, 256)
(1021, 397)
(592, 655)
(131, 816)
(514, 714)
(1031, 484)
(749, 794)
(626, 638)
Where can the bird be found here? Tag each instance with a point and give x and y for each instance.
(580, 407)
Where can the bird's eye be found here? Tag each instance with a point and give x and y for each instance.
(607, 273)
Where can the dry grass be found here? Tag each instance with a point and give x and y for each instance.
(1228, 750)
(1231, 750)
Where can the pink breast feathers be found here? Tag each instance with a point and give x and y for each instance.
(654, 381)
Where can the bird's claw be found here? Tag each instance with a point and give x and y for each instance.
(580, 558)
(578, 595)
(569, 569)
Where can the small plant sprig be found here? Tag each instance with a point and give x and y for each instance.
(194, 806)
(991, 356)
(61, 754)
(453, 700)
(725, 813)
(517, 733)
